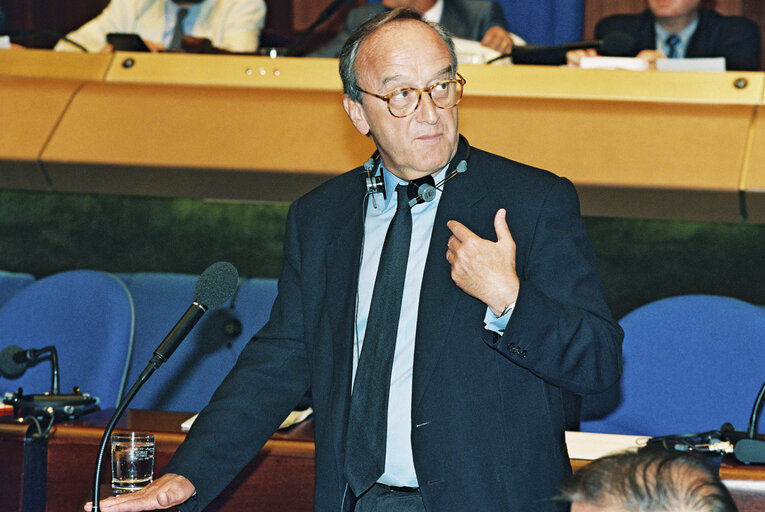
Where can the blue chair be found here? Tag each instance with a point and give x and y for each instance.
(88, 316)
(188, 379)
(251, 305)
(11, 283)
(691, 363)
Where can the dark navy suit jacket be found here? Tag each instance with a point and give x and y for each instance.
(488, 411)
(464, 19)
(733, 37)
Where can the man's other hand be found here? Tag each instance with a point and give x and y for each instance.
(167, 491)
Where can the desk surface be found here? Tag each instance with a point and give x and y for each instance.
(636, 144)
(280, 479)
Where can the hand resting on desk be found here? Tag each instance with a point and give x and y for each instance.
(167, 491)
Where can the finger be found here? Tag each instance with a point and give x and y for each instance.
(459, 230)
(500, 226)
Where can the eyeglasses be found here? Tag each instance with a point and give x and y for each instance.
(403, 102)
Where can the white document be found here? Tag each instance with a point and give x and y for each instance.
(294, 417)
(590, 446)
(631, 63)
(706, 64)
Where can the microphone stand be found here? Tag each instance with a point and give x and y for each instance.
(161, 355)
(749, 449)
(324, 16)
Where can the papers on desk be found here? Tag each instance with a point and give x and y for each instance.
(590, 446)
(473, 52)
(710, 64)
(293, 418)
(5, 42)
(631, 63)
(635, 64)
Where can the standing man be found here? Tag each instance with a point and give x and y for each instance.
(477, 20)
(439, 377)
(680, 28)
(231, 25)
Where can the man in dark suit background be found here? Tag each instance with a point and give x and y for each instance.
(681, 28)
(502, 314)
(477, 20)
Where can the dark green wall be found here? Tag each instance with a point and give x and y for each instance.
(640, 260)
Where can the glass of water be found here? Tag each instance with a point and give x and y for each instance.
(132, 461)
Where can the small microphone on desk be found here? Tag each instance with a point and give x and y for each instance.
(617, 44)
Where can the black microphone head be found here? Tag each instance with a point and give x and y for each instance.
(9, 367)
(617, 44)
(216, 284)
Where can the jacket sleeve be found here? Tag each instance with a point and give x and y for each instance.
(269, 379)
(561, 328)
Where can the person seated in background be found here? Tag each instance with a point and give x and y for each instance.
(477, 20)
(228, 25)
(647, 481)
(682, 28)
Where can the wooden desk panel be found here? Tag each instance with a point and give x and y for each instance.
(48, 64)
(655, 151)
(12, 435)
(31, 109)
(280, 478)
(201, 141)
(653, 144)
(753, 178)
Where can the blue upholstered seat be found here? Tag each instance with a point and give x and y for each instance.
(691, 363)
(88, 316)
(11, 283)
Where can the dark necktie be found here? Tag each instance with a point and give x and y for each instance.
(175, 42)
(368, 419)
(672, 41)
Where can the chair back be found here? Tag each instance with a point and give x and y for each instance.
(88, 316)
(188, 379)
(691, 363)
(11, 283)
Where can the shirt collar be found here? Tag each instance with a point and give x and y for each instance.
(684, 35)
(434, 13)
(391, 181)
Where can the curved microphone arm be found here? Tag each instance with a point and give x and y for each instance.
(34, 354)
(161, 355)
(752, 431)
(153, 365)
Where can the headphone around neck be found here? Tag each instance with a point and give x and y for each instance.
(422, 190)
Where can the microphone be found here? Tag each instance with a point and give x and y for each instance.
(14, 360)
(324, 16)
(215, 286)
(617, 44)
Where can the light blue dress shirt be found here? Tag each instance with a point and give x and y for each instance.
(171, 14)
(684, 35)
(399, 463)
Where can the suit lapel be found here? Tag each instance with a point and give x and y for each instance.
(439, 296)
(342, 265)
